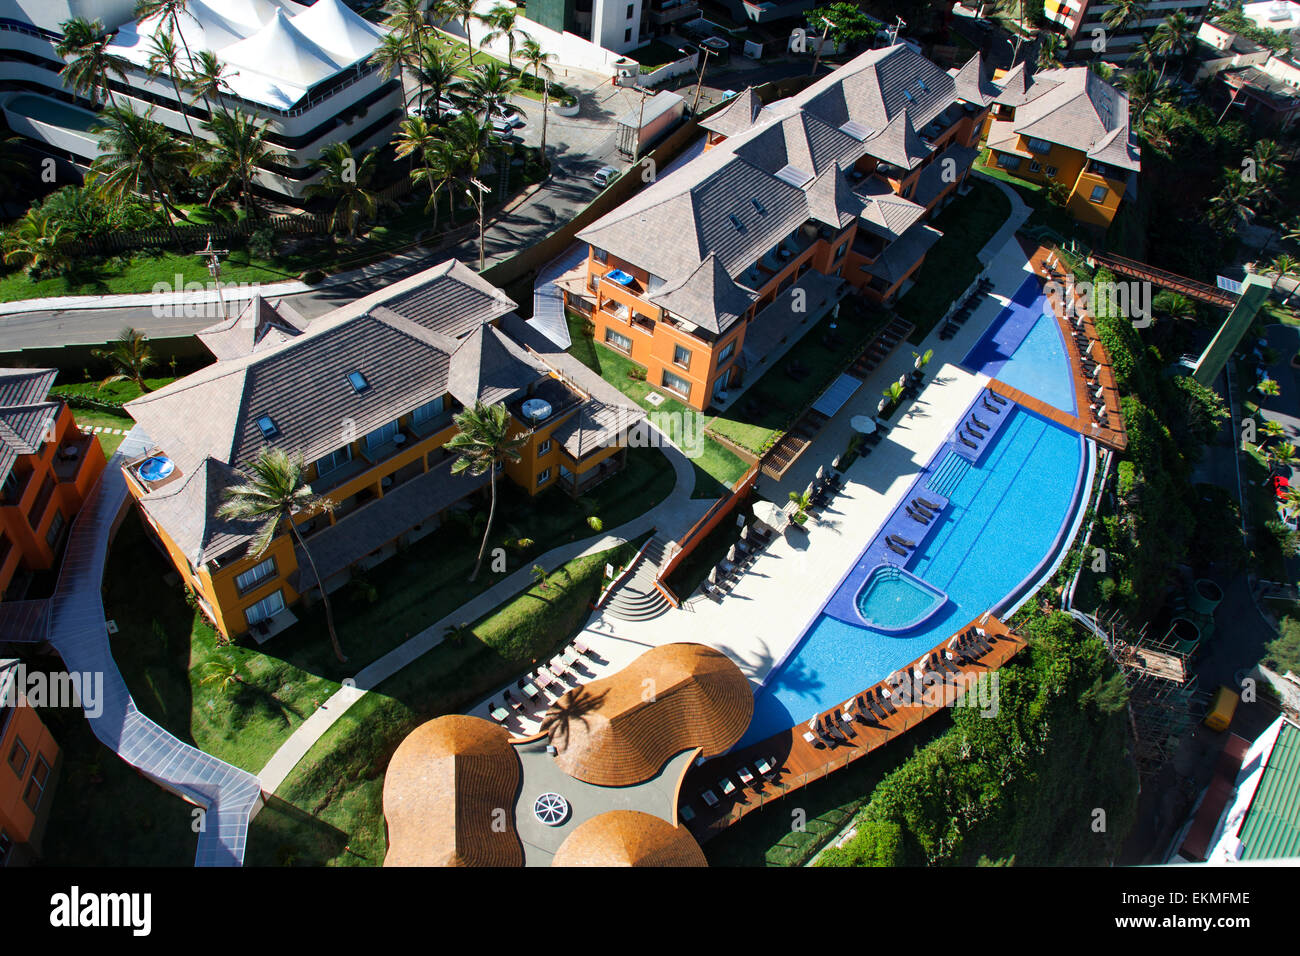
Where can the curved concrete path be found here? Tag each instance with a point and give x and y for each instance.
(672, 517)
(77, 630)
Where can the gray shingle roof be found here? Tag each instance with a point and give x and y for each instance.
(488, 367)
(973, 85)
(831, 199)
(708, 297)
(931, 182)
(899, 144)
(259, 324)
(885, 213)
(902, 255)
(1074, 107)
(25, 415)
(737, 116)
(207, 422)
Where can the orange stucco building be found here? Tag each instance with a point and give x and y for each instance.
(31, 766)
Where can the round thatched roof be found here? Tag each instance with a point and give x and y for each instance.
(449, 796)
(629, 838)
(620, 730)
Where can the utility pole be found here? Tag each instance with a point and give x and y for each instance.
(699, 86)
(640, 123)
(899, 23)
(821, 45)
(213, 259)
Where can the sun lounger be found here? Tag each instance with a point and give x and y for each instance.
(811, 738)
(967, 442)
(993, 408)
(899, 539)
(765, 767)
(726, 786)
(915, 517)
(514, 702)
(686, 813)
(976, 420)
(923, 508)
(530, 689)
(710, 798)
(745, 776)
(889, 542)
(499, 714)
(713, 592)
(976, 423)
(997, 398)
(544, 678)
(582, 648)
(883, 697)
(930, 504)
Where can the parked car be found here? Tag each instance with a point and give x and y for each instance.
(606, 175)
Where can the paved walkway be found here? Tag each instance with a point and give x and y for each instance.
(77, 630)
(672, 518)
(1007, 234)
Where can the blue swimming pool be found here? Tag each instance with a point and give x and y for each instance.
(1005, 516)
(1023, 346)
(892, 600)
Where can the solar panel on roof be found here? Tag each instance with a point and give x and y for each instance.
(793, 175)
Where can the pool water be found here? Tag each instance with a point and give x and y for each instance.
(1024, 347)
(1005, 517)
(892, 600)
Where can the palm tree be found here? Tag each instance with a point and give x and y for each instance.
(1144, 52)
(138, 156)
(532, 54)
(802, 502)
(483, 444)
(235, 155)
(462, 10)
(502, 19)
(410, 19)
(439, 172)
(435, 72)
(1102, 69)
(273, 491)
(222, 671)
(207, 79)
(1172, 305)
(170, 12)
(1173, 39)
(415, 137)
(85, 48)
(393, 57)
(348, 182)
(1232, 206)
(1050, 46)
(1270, 387)
(33, 243)
(131, 355)
(1281, 455)
(164, 57)
(487, 89)
(1272, 429)
(1123, 13)
(1285, 265)
(1144, 90)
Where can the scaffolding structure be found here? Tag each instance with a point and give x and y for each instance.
(1164, 699)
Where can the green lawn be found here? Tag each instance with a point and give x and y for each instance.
(90, 418)
(329, 811)
(952, 264)
(458, 48)
(113, 392)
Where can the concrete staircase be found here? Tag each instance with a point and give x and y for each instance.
(637, 598)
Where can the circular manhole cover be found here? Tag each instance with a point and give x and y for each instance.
(551, 809)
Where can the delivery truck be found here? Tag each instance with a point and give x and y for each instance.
(645, 124)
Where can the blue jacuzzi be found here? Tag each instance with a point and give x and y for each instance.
(156, 468)
(893, 600)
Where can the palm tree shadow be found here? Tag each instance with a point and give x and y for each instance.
(571, 707)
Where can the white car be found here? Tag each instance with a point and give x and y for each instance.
(605, 175)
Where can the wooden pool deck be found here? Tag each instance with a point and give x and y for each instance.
(796, 762)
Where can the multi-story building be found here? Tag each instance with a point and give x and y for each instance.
(1071, 127)
(366, 396)
(31, 766)
(47, 467)
(1248, 77)
(702, 273)
(1087, 36)
(304, 70)
(617, 25)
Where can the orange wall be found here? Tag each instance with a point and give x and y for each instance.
(26, 532)
(16, 818)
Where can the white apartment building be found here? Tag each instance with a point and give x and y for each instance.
(1078, 22)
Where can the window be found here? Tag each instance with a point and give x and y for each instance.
(1008, 162)
(269, 606)
(18, 757)
(358, 382)
(627, 36)
(36, 785)
(677, 384)
(6, 847)
(255, 575)
(620, 342)
(544, 448)
(1039, 146)
(543, 476)
(682, 356)
(1051, 172)
(333, 460)
(56, 528)
(1098, 193)
(630, 8)
(1033, 166)
(266, 425)
(842, 249)
(600, 255)
(381, 436)
(428, 411)
(727, 352)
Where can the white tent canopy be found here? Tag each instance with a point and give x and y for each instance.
(281, 46)
(338, 30)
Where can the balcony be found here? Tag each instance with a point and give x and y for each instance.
(71, 456)
(670, 11)
(617, 309)
(555, 393)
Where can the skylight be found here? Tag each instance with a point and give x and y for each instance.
(762, 210)
(793, 175)
(921, 83)
(910, 97)
(735, 221)
(358, 381)
(857, 130)
(267, 426)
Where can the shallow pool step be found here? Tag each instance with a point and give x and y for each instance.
(949, 474)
